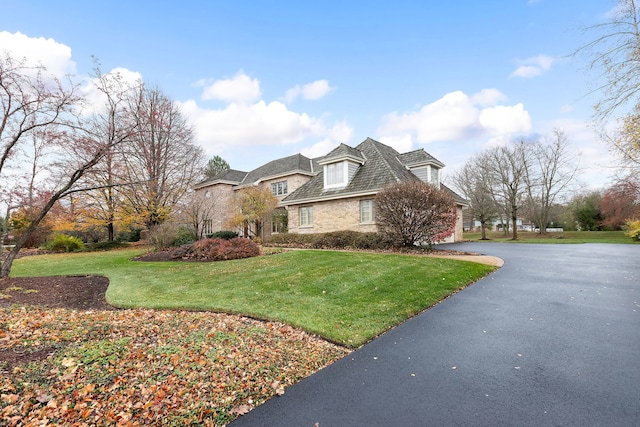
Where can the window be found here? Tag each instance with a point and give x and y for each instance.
(279, 221)
(366, 211)
(279, 188)
(434, 176)
(207, 227)
(306, 216)
(334, 174)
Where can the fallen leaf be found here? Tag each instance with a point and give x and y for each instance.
(240, 410)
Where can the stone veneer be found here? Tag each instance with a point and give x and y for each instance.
(331, 215)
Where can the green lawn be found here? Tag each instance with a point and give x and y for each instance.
(564, 237)
(346, 297)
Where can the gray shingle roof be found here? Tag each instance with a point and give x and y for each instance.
(419, 157)
(381, 168)
(458, 198)
(286, 165)
(343, 151)
(230, 176)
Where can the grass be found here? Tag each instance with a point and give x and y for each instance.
(564, 237)
(345, 297)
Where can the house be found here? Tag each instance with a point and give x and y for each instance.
(330, 193)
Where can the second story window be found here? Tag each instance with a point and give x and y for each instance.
(279, 188)
(334, 174)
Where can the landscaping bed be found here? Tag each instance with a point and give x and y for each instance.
(67, 358)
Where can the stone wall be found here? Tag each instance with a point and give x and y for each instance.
(334, 215)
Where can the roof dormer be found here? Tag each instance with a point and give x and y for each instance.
(340, 166)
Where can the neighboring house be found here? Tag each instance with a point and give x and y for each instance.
(332, 193)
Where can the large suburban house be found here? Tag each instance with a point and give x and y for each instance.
(331, 193)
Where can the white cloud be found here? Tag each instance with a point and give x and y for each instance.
(505, 119)
(311, 91)
(341, 132)
(241, 88)
(257, 124)
(56, 57)
(401, 143)
(488, 97)
(533, 67)
(457, 117)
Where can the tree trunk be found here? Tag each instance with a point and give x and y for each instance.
(514, 218)
(7, 262)
(483, 231)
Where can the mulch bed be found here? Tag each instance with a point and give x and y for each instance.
(73, 292)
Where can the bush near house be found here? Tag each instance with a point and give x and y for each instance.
(223, 234)
(345, 239)
(217, 250)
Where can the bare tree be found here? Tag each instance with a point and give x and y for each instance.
(162, 161)
(31, 105)
(614, 56)
(411, 212)
(551, 171)
(507, 168)
(111, 125)
(474, 182)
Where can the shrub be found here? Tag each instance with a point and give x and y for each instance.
(184, 235)
(65, 243)
(414, 212)
(633, 229)
(105, 246)
(217, 250)
(167, 235)
(129, 235)
(334, 240)
(223, 234)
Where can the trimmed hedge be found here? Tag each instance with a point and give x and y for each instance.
(345, 239)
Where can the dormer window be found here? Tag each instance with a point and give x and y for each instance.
(334, 174)
(435, 176)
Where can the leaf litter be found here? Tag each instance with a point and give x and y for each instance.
(146, 367)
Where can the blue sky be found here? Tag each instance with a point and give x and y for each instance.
(265, 79)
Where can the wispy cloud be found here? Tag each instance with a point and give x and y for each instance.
(311, 91)
(533, 67)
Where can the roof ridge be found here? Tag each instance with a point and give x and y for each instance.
(378, 147)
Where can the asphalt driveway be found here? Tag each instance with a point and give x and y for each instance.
(551, 338)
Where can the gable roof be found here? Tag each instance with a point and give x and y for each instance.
(381, 168)
(230, 176)
(296, 163)
(419, 158)
(342, 152)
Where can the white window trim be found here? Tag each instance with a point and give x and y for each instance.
(371, 204)
(309, 210)
(345, 175)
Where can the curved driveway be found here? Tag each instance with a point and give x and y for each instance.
(551, 338)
